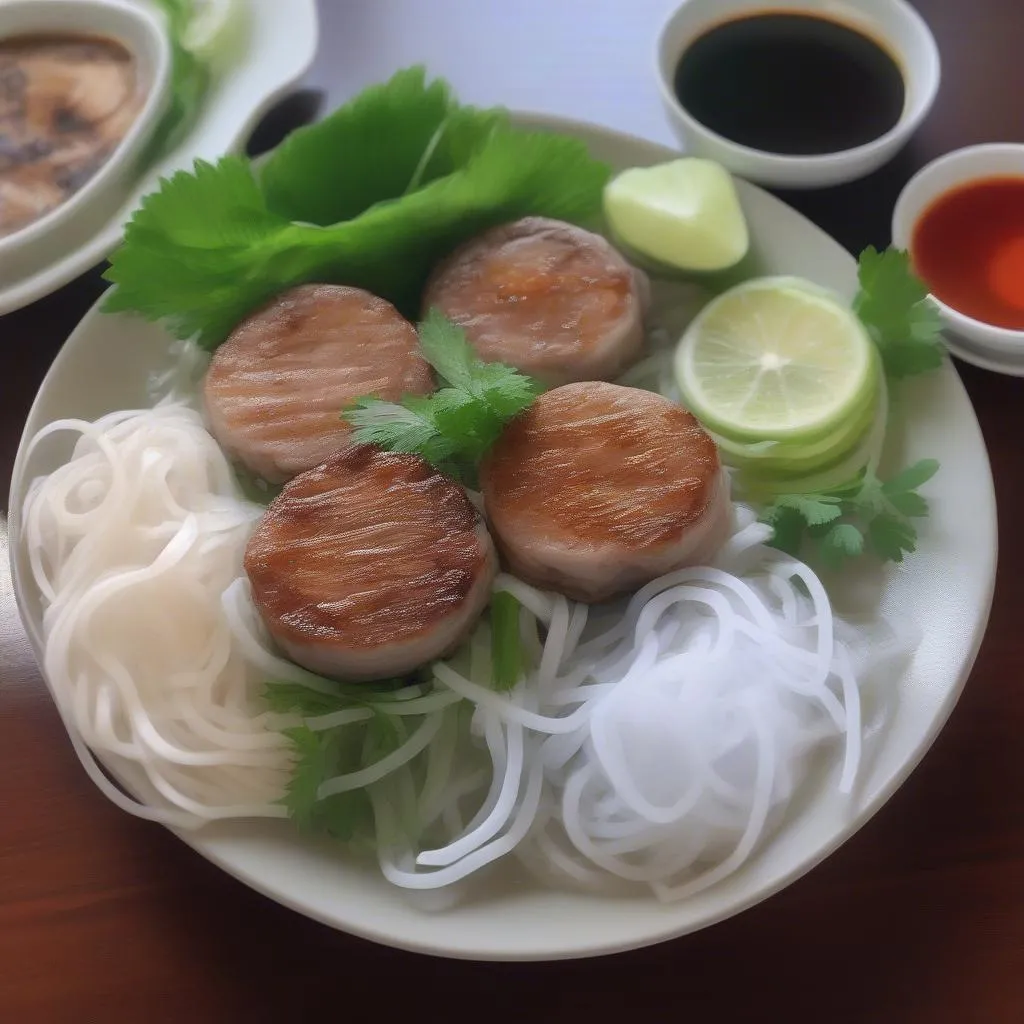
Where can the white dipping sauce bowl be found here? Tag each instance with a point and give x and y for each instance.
(994, 348)
(893, 23)
(139, 31)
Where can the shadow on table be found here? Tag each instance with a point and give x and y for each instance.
(294, 111)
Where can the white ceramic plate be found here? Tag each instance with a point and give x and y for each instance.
(104, 366)
(282, 44)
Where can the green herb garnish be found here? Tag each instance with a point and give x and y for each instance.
(390, 140)
(454, 427)
(286, 698)
(892, 305)
(294, 698)
(506, 644)
(209, 247)
(844, 522)
(321, 754)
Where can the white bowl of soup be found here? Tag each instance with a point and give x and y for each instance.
(86, 84)
(796, 93)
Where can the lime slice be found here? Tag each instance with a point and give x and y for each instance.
(791, 457)
(684, 214)
(216, 30)
(775, 358)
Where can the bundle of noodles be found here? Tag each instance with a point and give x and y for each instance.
(660, 744)
(655, 742)
(132, 543)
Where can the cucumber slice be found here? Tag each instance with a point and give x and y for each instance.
(683, 215)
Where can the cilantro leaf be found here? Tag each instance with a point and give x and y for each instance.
(449, 352)
(891, 536)
(837, 522)
(892, 304)
(909, 504)
(286, 698)
(318, 756)
(814, 509)
(189, 268)
(409, 427)
(308, 773)
(344, 815)
(457, 424)
(384, 735)
(912, 477)
(789, 527)
(445, 347)
(869, 496)
(209, 247)
(842, 541)
(391, 139)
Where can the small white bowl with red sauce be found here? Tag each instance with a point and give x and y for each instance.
(962, 220)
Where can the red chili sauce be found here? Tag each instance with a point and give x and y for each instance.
(969, 248)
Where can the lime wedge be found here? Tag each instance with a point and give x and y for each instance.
(216, 30)
(775, 359)
(684, 214)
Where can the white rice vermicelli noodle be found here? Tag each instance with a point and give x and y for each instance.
(660, 749)
(654, 742)
(132, 543)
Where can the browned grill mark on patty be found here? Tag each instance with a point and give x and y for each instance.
(596, 463)
(276, 388)
(371, 548)
(544, 296)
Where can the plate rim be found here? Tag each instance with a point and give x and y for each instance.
(596, 946)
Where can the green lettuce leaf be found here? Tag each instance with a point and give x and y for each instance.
(211, 246)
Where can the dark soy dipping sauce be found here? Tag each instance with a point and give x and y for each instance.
(788, 83)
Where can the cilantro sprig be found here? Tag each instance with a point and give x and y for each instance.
(892, 304)
(452, 428)
(320, 754)
(869, 514)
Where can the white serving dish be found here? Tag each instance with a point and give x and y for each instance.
(282, 43)
(893, 22)
(139, 31)
(107, 364)
(993, 348)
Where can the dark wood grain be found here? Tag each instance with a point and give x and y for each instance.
(919, 918)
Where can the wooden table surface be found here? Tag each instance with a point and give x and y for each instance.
(919, 918)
